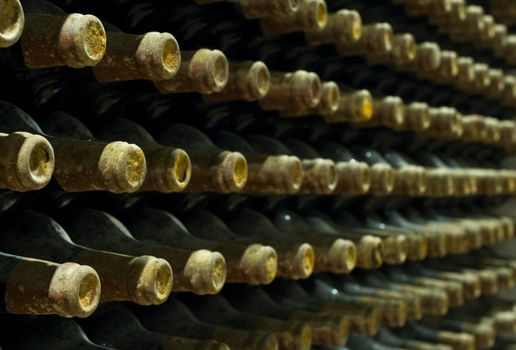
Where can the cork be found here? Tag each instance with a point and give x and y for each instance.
(395, 249)
(13, 20)
(410, 180)
(248, 81)
(151, 56)
(417, 117)
(26, 163)
(72, 40)
(204, 71)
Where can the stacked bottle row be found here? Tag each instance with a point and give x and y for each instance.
(201, 249)
(430, 306)
(313, 161)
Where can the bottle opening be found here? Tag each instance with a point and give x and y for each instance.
(11, 22)
(306, 260)
(135, 166)
(171, 55)
(94, 39)
(321, 15)
(89, 292)
(315, 88)
(261, 79)
(182, 169)
(356, 27)
(41, 162)
(296, 174)
(219, 70)
(365, 107)
(240, 172)
(163, 281)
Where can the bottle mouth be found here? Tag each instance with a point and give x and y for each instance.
(381, 38)
(404, 48)
(330, 98)
(418, 116)
(218, 70)
(35, 163)
(260, 264)
(135, 168)
(206, 271)
(83, 40)
(343, 256)
(234, 171)
(355, 22)
(151, 280)
(170, 55)
(318, 18)
(75, 290)
(11, 25)
(370, 252)
(305, 258)
(383, 178)
(429, 57)
(363, 106)
(296, 174)
(260, 80)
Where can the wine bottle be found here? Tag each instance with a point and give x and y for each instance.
(259, 8)
(38, 287)
(457, 340)
(174, 318)
(82, 165)
(252, 264)
(204, 71)
(142, 279)
(53, 38)
(168, 169)
(200, 271)
(115, 326)
(213, 169)
(150, 56)
(51, 332)
(483, 332)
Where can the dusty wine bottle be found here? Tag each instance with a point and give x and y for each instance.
(52, 38)
(38, 287)
(151, 56)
